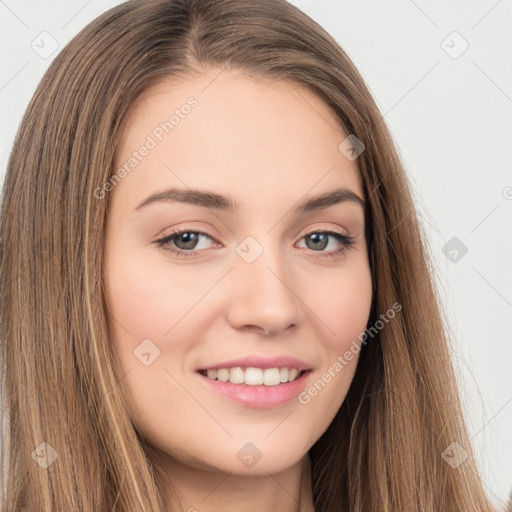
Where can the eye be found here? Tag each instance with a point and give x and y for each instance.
(186, 243)
(319, 240)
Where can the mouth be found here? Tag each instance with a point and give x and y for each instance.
(257, 388)
(253, 376)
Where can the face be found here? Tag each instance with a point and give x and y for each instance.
(252, 279)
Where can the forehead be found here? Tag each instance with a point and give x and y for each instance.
(234, 133)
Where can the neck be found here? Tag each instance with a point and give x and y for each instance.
(200, 490)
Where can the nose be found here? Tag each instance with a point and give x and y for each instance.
(263, 297)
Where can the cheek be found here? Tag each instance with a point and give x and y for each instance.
(151, 343)
(341, 305)
(147, 297)
(154, 307)
(341, 301)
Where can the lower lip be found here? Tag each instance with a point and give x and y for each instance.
(259, 397)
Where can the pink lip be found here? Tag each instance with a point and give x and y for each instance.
(259, 397)
(261, 362)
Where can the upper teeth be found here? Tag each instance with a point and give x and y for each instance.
(254, 376)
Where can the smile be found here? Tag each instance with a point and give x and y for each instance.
(258, 395)
(252, 376)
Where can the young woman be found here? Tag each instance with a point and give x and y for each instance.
(215, 294)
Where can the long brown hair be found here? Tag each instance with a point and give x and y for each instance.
(60, 380)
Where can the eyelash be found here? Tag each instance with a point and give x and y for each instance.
(346, 242)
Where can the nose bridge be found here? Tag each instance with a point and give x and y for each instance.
(264, 294)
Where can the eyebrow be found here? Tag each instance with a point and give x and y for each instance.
(216, 201)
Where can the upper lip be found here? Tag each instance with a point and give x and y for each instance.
(261, 362)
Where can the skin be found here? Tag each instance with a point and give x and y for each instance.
(267, 145)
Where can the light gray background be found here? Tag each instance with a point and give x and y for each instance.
(451, 116)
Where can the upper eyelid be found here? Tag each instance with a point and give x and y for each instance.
(305, 231)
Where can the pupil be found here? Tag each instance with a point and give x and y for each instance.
(315, 237)
(190, 243)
